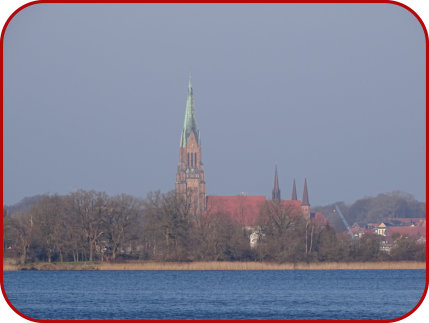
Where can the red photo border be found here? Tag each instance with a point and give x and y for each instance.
(195, 1)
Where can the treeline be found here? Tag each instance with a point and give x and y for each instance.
(92, 226)
(375, 209)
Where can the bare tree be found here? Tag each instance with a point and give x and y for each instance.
(283, 228)
(120, 219)
(167, 224)
(49, 226)
(19, 229)
(88, 209)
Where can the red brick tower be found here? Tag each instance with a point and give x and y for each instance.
(190, 181)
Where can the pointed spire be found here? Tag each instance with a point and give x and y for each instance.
(305, 195)
(190, 123)
(294, 196)
(276, 189)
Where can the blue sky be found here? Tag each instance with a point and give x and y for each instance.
(95, 98)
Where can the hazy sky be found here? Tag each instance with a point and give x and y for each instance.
(95, 98)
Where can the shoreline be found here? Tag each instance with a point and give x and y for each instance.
(217, 265)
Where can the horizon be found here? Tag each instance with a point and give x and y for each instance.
(267, 197)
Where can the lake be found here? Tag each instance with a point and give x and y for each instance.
(299, 294)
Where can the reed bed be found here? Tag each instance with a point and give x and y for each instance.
(215, 265)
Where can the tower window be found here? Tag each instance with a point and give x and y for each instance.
(188, 160)
(192, 160)
(195, 158)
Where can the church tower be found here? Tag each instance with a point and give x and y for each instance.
(276, 189)
(190, 181)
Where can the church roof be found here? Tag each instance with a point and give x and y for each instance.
(291, 203)
(242, 209)
(190, 123)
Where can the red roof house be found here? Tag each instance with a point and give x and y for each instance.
(416, 231)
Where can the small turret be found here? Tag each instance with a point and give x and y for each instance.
(294, 196)
(305, 204)
(305, 195)
(276, 189)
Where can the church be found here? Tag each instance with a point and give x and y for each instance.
(191, 185)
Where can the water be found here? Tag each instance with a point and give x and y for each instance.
(320, 294)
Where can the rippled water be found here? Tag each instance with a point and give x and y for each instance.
(333, 294)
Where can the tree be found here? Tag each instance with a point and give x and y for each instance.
(328, 246)
(367, 248)
(216, 237)
(120, 222)
(87, 210)
(375, 209)
(283, 229)
(407, 248)
(49, 226)
(167, 224)
(19, 230)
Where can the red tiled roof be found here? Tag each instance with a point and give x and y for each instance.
(291, 203)
(355, 230)
(418, 231)
(417, 221)
(243, 209)
(367, 231)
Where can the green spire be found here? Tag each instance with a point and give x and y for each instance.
(190, 124)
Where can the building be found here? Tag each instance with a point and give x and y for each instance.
(190, 180)
(381, 229)
(191, 185)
